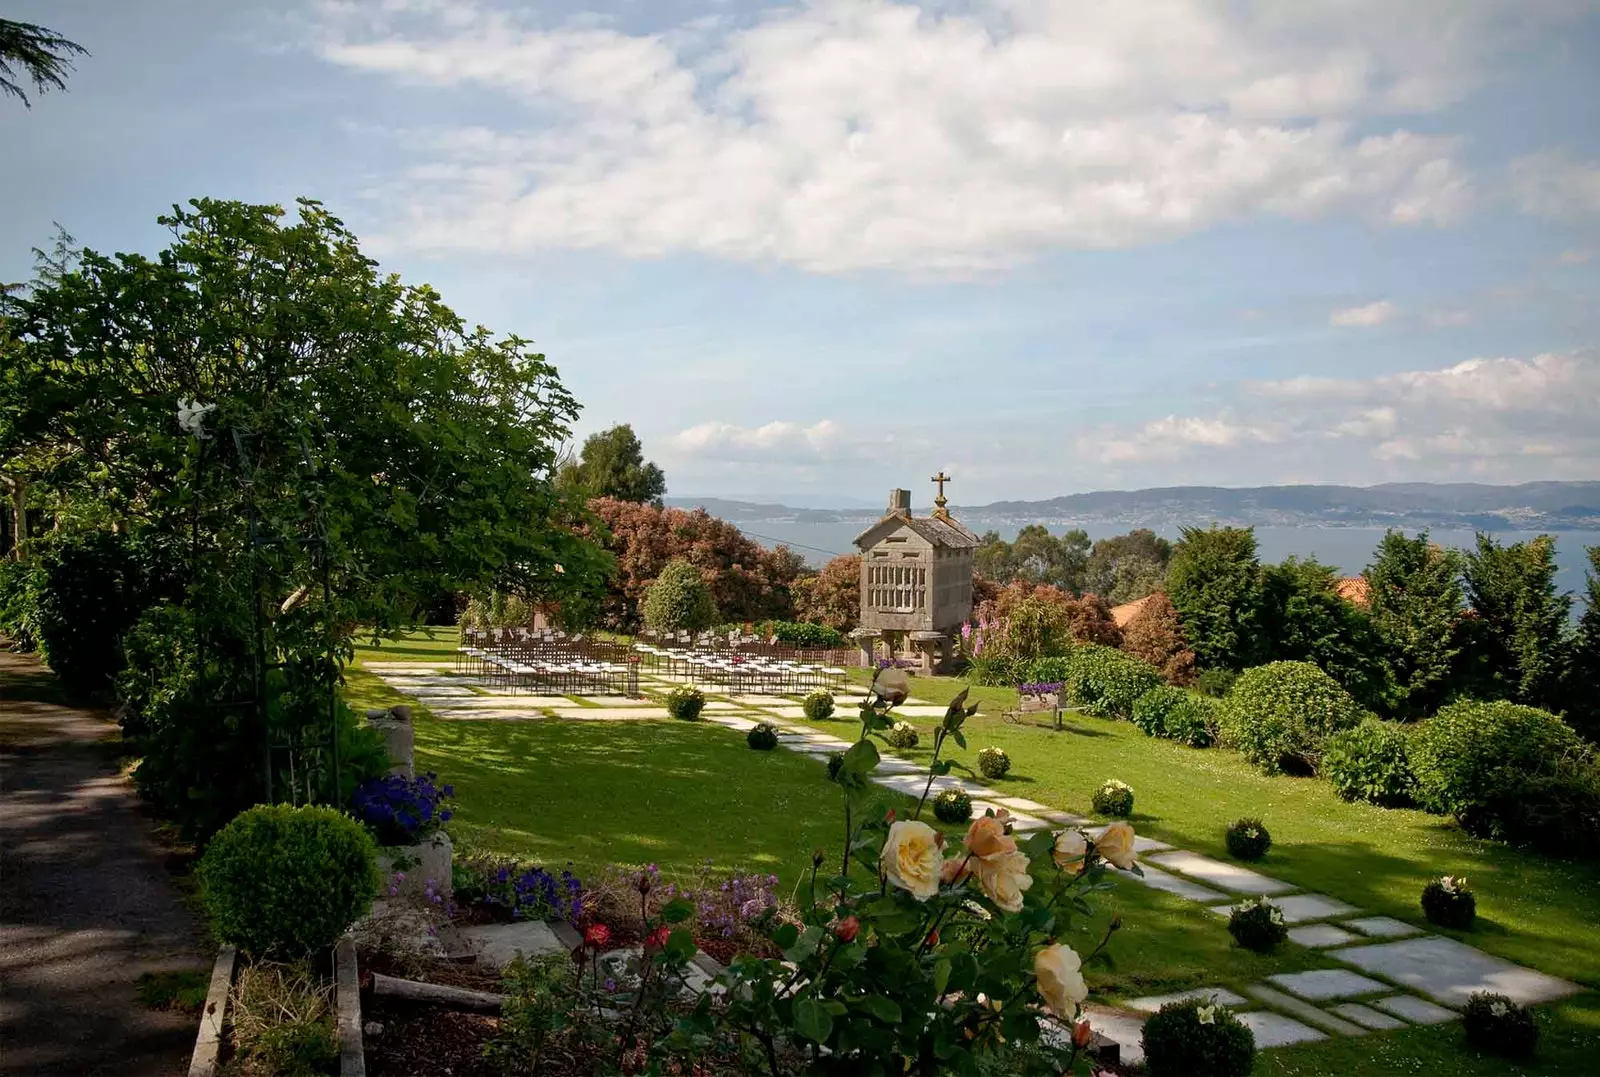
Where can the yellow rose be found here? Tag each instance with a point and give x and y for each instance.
(1115, 843)
(1069, 850)
(1004, 876)
(1056, 969)
(987, 836)
(911, 859)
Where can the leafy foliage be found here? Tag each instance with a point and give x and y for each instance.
(287, 880)
(1305, 620)
(1370, 762)
(679, 600)
(831, 596)
(19, 603)
(1035, 556)
(1197, 1038)
(818, 705)
(1113, 798)
(1126, 567)
(1280, 714)
(516, 891)
(612, 464)
(1248, 838)
(1257, 925)
(994, 763)
(1515, 645)
(763, 737)
(1583, 672)
(1155, 637)
(1449, 902)
(1214, 580)
(1176, 714)
(401, 810)
(1497, 1025)
(1106, 682)
(794, 633)
(1414, 599)
(685, 703)
(41, 53)
(902, 735)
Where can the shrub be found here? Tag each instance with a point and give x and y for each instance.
(280, 879)
(1197, 1038)
(18, 581)
(1506, 771)
(1106, 681)
(762, 737)
(1257, 925)
(805, 634)
(1370, 763)
(1176, 714)
(1155, 636)
(818, 705)
(1496, 1024)
(994, 763)
(282, 1019)
(1052, 670)
(679, 599)
(952, 806)
(901, 735)
(1279, 715)
(1448, 902)
(1215, 682)
(685, 703)
(835, 762)
(401, 810)
(995, 669)
(514, 891)
(1113, 798)
(1248, 839)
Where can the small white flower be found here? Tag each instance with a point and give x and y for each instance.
(1207, 1015)
(1447, 884)
(191, 417)
(1499, 1009)
(1277, 916)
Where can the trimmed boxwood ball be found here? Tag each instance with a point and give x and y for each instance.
(1248, 839)
(763, 737)
(1280, 715)
(818, 705)
(1449, 902)
(686, 703)
(288, 881)
(952, 806)
(1497, 1025)
(1257, 925)
(994, 763)
(1113, 798)
(902, 735)
(1197, 1038)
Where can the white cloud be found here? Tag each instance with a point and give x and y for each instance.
(1507, 419)
(1369, 315)
(839, 135)
(1575, 257)
(728, 441)
(1553, 184)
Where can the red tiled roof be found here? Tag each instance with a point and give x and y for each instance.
(1353, 589)
(1128, 610)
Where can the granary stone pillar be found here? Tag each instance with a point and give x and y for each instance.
(399, 738)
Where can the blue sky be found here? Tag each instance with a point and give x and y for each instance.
(815, 250)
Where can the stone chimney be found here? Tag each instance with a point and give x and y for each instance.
(899, 502)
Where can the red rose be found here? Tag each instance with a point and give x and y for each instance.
(597, 935)
(1082, 1035)
(932, 939)
(847, 929)
(890, 817)
(658, 938)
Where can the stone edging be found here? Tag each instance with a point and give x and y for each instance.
(208, 1041)
(347, 1007)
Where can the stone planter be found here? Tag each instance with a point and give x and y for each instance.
(429, 859)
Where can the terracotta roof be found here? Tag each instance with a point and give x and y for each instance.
(1129, 610)
(946, 532)
(1353, 589)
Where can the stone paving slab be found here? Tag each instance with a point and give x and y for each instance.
(1126, 1028)
(1063, 818)
(1222, 875)
(497, 944)
(1219, 995)
(1449, 971)
(1382, 927)
(435, 692)
(1303, 1011)
(1323, 984)
(1023, 804)
(507, 702)
(1298, 908)
(405, 667)
(485, 715)
(1141, 844)
(1366, 1017)
(733, 721)
(763, 701)
(1157, 879)
(1318, 936)
(1275, 1030)
(1418, 1011)
(600, 714)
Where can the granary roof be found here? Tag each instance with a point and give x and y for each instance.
(943, 531)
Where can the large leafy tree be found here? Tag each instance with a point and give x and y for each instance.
(1126, 567)
(1305, 620)
(32, 53)
(612, 464)
(1214, 580)
(1583, 671)
(832, 596)
(1515, 644)
(1035, 556)
(1414, 600)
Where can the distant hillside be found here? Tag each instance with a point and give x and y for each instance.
(1552, 506)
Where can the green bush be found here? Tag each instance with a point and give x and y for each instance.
(685, 703)
(286, 880)
(835, 764)
(1051, 670)
(995, 668)
(1113, 798)
(818, 705)
(1176, 714)
(18, 581)
(1248, 839)
(679, 600)
(994, 763)
(1215, 682)
(952, 806)
(762, 737)
(1257, 925)
(1197, 1038)
(1449, 902)
(901, 735)
(1370, 763)
(1106, 681)
(803, 634)
(1507, 771)
(1280, 715)
(1497, 1025)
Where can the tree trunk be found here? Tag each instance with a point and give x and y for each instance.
(457, 998)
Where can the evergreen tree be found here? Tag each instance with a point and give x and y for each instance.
(612, 464)
(1414, 600)
(1515, 644)
(1583, 669)
(40, 53)
(1305, 620)
(1214, 580)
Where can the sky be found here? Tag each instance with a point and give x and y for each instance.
(816, 250)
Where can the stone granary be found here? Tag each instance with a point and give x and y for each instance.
(916, 580)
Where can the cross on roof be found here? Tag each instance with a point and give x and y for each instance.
(941, 479)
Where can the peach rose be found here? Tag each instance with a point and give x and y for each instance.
(1069, 850)
(911, 859)
(955, 869)
(987, 836)
(1056, 970)
(1115, 843)
(1003, 877)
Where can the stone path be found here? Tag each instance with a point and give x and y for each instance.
(87, 904)
(1422, 979)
